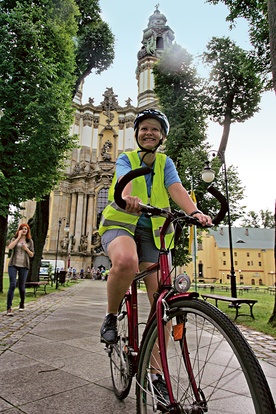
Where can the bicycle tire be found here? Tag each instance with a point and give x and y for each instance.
(228, 376)
(120, 359)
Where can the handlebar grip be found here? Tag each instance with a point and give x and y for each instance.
(223, 204)
(124, 181)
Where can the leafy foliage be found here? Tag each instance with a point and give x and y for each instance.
(261, 16)
(256, 13)
(94, 41)
(234, 87)
(263, 218)
(179, 91)
(47, 48)
(182, 96)
(13, 225)
(37, 66)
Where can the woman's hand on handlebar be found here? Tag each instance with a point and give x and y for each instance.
(132, 204)
(203, 219)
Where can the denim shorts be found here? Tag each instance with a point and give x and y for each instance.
(146, 249)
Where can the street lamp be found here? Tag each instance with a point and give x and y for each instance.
(66, 229)
(208, 175)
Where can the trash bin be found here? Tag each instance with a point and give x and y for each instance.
(62, 276)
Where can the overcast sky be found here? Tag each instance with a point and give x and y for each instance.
(251, 146)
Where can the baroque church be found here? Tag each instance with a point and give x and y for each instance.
(103, 131)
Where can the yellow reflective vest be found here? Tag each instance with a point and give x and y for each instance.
(113, 217)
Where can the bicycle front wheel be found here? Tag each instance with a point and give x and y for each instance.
(120, 356)
(211, 366)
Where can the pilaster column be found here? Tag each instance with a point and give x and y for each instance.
(73, 215)
(89, 222)
(79, 219)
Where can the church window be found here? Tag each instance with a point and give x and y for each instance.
(159, 43)
(102, 203)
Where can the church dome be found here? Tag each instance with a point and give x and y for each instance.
(157, 19)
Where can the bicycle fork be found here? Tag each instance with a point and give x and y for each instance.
(162, 316)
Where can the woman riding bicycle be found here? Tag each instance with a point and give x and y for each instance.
(129, 237)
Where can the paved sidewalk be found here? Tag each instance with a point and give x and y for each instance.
(53, 362)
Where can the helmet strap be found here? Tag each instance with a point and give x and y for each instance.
(148, 151)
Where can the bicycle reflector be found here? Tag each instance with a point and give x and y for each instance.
(182, 283)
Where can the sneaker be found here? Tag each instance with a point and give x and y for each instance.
(9, 312)
(21, 308)
(161, 392)
(109, 329)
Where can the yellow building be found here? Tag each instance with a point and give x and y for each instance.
(253, 256)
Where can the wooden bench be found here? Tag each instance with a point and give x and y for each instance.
(36, 285)
(235, 301)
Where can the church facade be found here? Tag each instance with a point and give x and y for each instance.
(103, 131)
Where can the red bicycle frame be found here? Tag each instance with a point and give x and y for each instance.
(157, 311)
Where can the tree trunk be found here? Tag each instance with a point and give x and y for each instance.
(271, 5)
(39, 227)
(3, 236)
(226, 127)
(272, 319)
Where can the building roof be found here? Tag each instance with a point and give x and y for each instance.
(244, 237)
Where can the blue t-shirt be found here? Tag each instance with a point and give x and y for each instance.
(123, 166)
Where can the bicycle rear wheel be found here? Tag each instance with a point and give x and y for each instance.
(211, 366)
(120, 358)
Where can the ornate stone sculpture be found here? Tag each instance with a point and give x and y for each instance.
(83, 243)
(64, 243)
(105, 151)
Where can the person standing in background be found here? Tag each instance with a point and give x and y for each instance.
(22, 247)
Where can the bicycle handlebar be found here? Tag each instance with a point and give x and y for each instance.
(223, 204)
(125, 180)
(161, 212)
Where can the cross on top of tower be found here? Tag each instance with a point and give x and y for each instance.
(157, 6)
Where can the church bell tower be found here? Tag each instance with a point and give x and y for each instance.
(157, 37)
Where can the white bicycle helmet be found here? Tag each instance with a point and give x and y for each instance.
(153, 113)
(156, 114)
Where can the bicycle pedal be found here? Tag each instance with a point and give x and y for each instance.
(163, 410)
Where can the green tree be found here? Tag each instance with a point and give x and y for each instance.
(179, 92)
(13, 225)
(261, 37)
(234, 89)
(251, 220)
(94, 44)
(181, 95)
(263, 218)
(37, 65)
(95, 41)
(261, 17)
(267, 219)
(232, 95)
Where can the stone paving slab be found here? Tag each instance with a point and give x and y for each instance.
(53, 362)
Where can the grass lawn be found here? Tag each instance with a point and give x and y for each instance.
(29, 293)
(262, 310)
